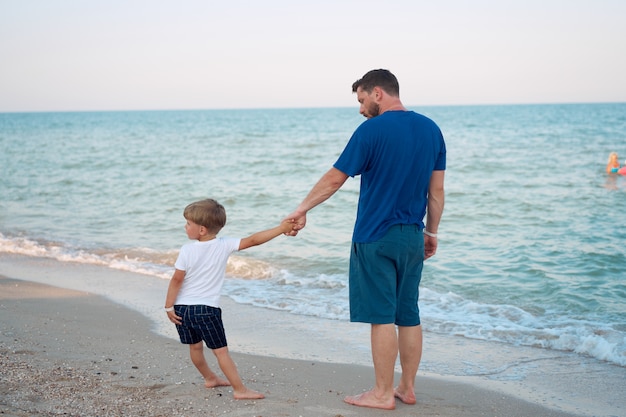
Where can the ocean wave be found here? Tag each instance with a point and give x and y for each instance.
(259, 283)
(444, 313)
(139, 260)
(451, 314)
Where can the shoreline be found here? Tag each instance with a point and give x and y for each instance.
(306, 376)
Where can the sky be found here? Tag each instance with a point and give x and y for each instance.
(81, 55)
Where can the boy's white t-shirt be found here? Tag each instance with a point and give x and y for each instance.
(204, 264)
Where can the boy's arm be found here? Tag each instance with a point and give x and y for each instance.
(172, 292)
(260, 238)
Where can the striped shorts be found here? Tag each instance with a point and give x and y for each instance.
(201, 323)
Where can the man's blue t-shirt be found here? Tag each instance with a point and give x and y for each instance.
(395, 153)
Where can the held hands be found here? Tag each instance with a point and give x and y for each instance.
(297, 220)
(287, 226)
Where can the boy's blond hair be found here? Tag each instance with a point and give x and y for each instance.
(208, 213)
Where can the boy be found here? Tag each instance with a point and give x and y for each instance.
(192, 301)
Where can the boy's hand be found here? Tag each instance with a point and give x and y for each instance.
(299, 221)
(174, 318)
(288, 226)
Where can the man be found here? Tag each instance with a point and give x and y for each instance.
(401, 157)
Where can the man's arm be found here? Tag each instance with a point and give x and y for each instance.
(436, 197)
(322, 191)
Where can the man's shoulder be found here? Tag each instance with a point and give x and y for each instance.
(389, 119)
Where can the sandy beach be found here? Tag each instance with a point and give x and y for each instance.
(73, 352)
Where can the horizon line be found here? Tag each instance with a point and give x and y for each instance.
(304, 107)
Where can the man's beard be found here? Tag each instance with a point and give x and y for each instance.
(373, 110)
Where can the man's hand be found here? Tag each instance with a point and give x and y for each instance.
(430, 246)
(299, 221)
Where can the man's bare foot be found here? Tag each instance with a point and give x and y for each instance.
(369, 399)
(247, 394)
(407, 398)
(216, 382)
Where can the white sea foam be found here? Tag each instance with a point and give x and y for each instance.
(257, 283)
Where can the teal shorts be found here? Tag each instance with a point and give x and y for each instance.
(385, 277)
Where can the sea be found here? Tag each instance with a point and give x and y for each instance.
(532, 243)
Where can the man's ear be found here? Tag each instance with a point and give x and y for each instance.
(378, 94)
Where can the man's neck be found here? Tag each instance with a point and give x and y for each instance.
(393, 105)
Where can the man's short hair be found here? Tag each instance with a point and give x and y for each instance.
(378, 78)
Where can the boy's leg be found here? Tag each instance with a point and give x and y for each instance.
(196, 351)
(228, 367)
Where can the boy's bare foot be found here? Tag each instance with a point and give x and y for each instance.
(369, 399)
(407, 398)
(216, 382)
(248, 394)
